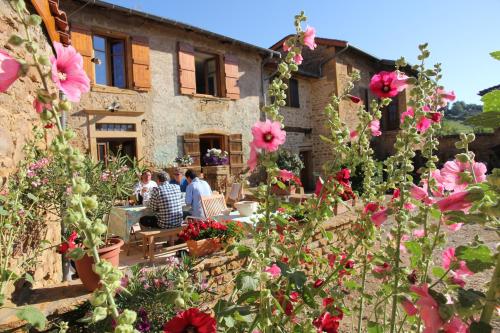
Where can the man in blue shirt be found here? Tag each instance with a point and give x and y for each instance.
(196, 188)
(179, 179)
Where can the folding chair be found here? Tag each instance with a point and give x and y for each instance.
(213, 205)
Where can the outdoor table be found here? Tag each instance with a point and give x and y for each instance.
(250, 221)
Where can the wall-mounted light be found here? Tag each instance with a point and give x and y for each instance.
(113, 107)
(96, 61)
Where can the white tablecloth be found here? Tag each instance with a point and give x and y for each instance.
(235, 216)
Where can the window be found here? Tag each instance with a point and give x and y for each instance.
(207, 74)
(390, 116)
(107, 148)
(209, 141)
(109, 60)
(115, 127)
(292, 94)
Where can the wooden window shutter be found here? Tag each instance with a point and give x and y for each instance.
(236, 153)
(81, 39)
(141, 74)
(192, 148)
(231, 76)
(187, 77)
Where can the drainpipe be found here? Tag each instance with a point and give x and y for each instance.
(331, 58)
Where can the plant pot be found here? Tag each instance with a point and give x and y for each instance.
(217, 176)
(203, 247)
(109, 253)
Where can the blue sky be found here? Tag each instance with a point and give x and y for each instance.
(460, 33)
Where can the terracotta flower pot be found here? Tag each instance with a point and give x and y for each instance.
(203, 247)
(110, 253)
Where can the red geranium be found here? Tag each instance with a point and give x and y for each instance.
(191, 320)
(198, 229)
(327, 322)
(68, 244)
(343, 176)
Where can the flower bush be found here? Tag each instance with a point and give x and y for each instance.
(198, 229)
(185, 160)
(216, 156)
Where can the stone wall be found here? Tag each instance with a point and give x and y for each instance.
(220, 269)
(17, 117)
(167, 115)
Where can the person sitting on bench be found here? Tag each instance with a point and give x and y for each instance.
(166, 203)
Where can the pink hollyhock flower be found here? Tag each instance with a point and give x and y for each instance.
(445, 97)
(355, 99)
(375, 127)
(423, 124)
(285, 175)
(409, 206)
(273, 270)
(298, 59)
(408, 307)
(268, 135)
(408, 113)
(68, 73)
(309, 36)
(388, 84)
(458, 275)
(318, 283)
(420, 194)
(455, 226)
(286, 47)
(436, 117)
(455, 325)
(402, 247)
(353, 134)
(327, 301)
(428, 308)
(9, 70)
(452, 170)
(294, 296)
(327, 322)
(456, 201)
(448, 257)
(40, 106)
(370, 207)
(319, 186)
(379, 217)
(253, 159)
(419, 233)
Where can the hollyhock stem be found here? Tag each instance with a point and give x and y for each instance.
(396, 279)
(492, 294)
(363, 282)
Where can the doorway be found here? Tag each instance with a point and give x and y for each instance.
(109, 147)
(306, 174)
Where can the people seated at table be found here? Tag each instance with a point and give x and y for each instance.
(179, 179)
(166, 204)
(196, 188)
(142, 189)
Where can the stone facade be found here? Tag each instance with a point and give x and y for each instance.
(163, 114)
(17, 117)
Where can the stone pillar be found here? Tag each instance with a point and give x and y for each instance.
(217, 177)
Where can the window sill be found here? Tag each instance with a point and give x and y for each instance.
(210, 97)
(113, 90)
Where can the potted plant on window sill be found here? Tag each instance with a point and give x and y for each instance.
(181, 164)
(206, 236)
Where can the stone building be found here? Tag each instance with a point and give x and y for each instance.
(324, 72)
(160, 88)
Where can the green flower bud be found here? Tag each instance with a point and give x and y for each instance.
(471, 137)
(114, 275)
(179, 302)
(46, 115)
(293, 67)
(81, 188)
(103, 268)
(99, 228)
(99, 314)
(475, 194)
(34, 20)
(127, 317)
(97, 298)
(65, 105)
(463, 136)
(462, 158)
(43, 60)
(31, 47)
(15, 40)
(90, 203)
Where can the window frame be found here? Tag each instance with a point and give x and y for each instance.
(218, 73)
(289, 99)
(109, 38)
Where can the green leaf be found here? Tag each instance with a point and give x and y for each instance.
(480, 327)
(32, 197)
(491, 101)
(33, 316)
(351, 284)
(478, 258)
(76, 254)
(495, 54)
(169, 296)
(3, 212)
(438, 271)
(467, 298)
(298, 278)
(250, 297)
(374, 327)
(485, 119)
(247, 282)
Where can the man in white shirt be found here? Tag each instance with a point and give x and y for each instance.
(143, 188)
(196, 188)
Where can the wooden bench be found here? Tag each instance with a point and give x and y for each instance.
(149, 238)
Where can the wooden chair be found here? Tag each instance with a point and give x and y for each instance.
(213, 205)
(150, 239)
(235, 193)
